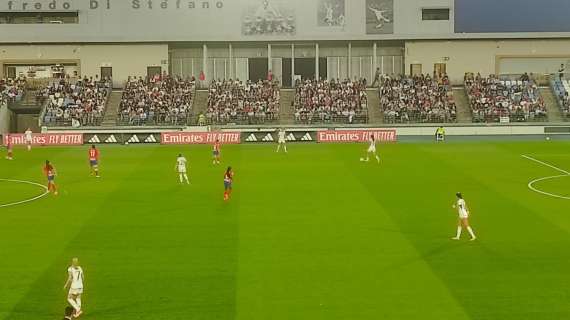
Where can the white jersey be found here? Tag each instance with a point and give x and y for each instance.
(76, 274)
(28, 135)
(282, 136)
(181, 164)
(372, 147)
(462, 209)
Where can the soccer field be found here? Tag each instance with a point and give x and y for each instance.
(313, 234)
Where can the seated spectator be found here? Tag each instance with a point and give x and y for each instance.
(331, 101)
(247, 103)
(420, 98)
(81, 102)
(160, 100)
(12, 90)
(492, 99)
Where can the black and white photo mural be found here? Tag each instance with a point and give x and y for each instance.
(269, 17)
(379, 16)
(331, 13)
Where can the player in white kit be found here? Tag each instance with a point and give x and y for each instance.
(282, 141)
(28, 137)
(371, 150)
(463, 220)
(74, 281)
(181, 168)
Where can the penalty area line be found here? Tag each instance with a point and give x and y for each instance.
(531, 183)
(45, 193)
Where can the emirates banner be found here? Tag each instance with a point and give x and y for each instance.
(200, 137)
(337, 136)
(47, 139)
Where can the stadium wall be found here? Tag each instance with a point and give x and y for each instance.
(248, 135)
(126, 60)
(488, 56)
(4, 118)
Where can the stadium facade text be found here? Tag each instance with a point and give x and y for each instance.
(15, 5)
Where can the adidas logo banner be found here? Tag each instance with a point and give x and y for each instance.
(111, 139)
(307, 137)
(268, 138)
(134, 139)
(150, 139)
(251, 138)
(291, 137)
(94, 139)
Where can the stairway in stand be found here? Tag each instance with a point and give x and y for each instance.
(200, 104)
(112, 109)
(553, 111)
(463, 108)
(375, 114)
(286, 109)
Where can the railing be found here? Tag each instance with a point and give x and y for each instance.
(561, 88)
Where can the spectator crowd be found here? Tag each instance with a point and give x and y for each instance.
(331, 101)
(159, 100)
(11, 90)
(492, 99)
(245, 103)
(421, 98)
(77, 102)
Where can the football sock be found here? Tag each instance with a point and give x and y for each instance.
(458, 232)
(471, 232)
(73, 304)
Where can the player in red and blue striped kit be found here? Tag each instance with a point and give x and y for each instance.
(228, 179)
(94, 161)
(50, 173)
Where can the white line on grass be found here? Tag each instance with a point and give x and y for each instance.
(530, 184)
(45, 193)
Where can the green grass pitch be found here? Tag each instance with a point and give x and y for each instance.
(314, 234)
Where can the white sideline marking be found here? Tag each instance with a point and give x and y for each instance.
(27, 200)
(530, 184)
(546, 164)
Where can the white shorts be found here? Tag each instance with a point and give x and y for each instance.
(463, 215)
(28, 141)
(372, 150)
(281, 141)
(181, 170)
(76, 291)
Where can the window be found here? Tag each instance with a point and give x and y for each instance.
(36, 17)
(435, 14)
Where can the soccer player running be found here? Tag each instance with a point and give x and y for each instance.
(282, 141)
(216, 152)
(372, 150)
(181, 168)
(74, 281)
(94, 161)
(463, 220)
(29, 139)
(228, 179)
(49, 171)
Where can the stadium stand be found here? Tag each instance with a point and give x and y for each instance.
(331, 101)
(75, 102)
(12, 90)
(420, 98)
(492, 99)
(561, 89)
(162, 100)
(232, 101)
